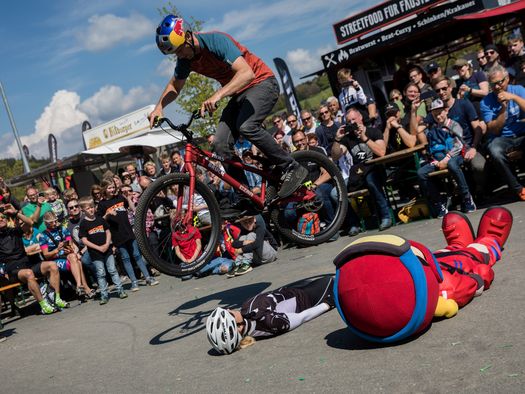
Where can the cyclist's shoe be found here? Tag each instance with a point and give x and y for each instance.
(46, 307)
(496, 223)
(292, 179)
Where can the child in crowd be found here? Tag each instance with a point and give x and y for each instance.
(70, 194)
(114, 209)
(94, 233)
(56, 245)
(57, 205)
(186, 240)
(445, 145)
(255, 245)
(223, 263)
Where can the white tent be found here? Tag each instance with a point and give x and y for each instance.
(154, 138)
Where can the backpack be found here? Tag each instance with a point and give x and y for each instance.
(308, 223)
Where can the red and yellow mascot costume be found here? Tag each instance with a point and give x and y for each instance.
(388, 289)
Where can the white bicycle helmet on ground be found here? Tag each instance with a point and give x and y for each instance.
(221, 330)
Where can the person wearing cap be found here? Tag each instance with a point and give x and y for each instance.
(445, 145)
(473, 84)
(433, 70)
(492, 54)
(517, 57)
(503, 111)
(395, 135)
(463, 112)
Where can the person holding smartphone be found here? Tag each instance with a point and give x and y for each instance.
(36, 207)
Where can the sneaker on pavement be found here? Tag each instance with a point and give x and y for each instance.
(354, 230)
(496, 223)
(231, 274)
(122, 295)
(468, 205)
(152, 282)
(60, 303)
(135, 287)
(46, 307)
(522, 194)
(292, 179)
(441, 209)
(385, 224)
(457, 229)
(104, 300)
(243, 269)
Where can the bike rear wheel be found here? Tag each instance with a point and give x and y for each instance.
(287, 217)
(158, 226)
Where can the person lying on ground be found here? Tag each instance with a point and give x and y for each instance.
(269, 314)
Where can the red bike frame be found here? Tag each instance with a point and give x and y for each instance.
(194, 155)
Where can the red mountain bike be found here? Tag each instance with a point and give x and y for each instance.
(171, 203)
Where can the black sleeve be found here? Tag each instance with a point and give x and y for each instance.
(82, 230)
(260, 230)
(374, 134)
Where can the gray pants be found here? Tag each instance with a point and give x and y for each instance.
(477, 166)
(244, 115)
(267, 254)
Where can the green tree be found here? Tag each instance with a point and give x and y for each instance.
(197, 88)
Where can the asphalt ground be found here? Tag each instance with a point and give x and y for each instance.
(154, 341)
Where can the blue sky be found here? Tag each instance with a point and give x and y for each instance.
(66, 61)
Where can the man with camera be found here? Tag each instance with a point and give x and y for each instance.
(363, 143)
(36, 207)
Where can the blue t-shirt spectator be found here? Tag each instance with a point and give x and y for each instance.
(491, 107)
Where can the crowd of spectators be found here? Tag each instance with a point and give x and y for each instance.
(468, 123)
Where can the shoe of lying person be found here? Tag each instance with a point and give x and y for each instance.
(496, 222)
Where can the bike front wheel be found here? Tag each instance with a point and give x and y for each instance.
(317, 220)
(164, 232)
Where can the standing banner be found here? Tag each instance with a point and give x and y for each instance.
(292, 103)
(52, 144)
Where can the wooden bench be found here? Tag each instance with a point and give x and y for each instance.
(438, 173)
(10, 286)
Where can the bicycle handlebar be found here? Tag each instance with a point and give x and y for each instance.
(183, 127)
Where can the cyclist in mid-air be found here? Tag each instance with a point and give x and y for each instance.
(244, 77)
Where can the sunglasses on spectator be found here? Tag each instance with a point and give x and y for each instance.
(490, 52)
(396, 98)
(481, 58)
(306, 119)
(72, 207)
(292, 120)
(500, 82)
(277, 121)
(324, 112)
